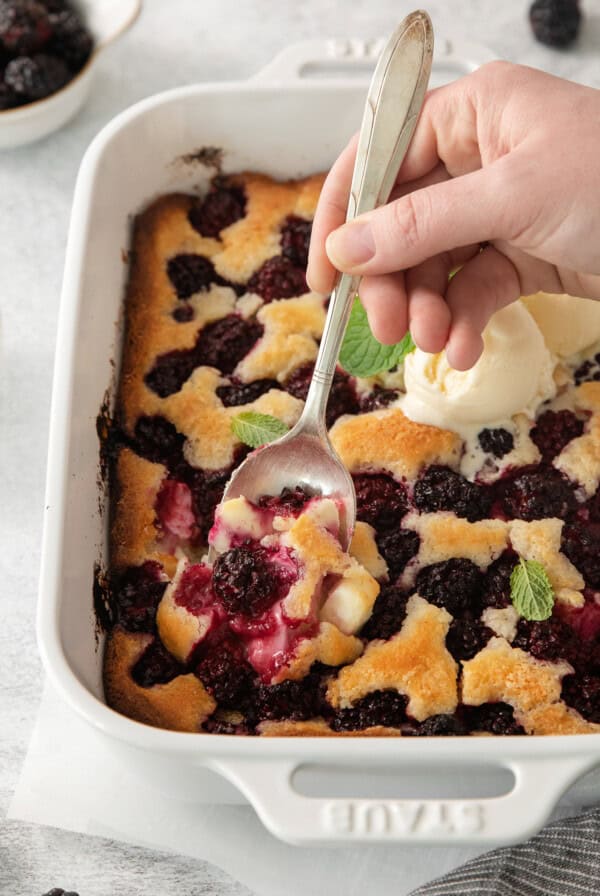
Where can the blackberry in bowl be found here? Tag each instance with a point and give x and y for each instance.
(48, 49)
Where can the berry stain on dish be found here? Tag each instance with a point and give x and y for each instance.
(43, 46)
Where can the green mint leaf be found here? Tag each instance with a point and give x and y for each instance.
(361, 354)
(257, 429)
(531, 591)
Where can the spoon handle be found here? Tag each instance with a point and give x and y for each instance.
(393, 104)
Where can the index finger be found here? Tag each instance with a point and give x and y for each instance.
(330, 214)
(333, 201)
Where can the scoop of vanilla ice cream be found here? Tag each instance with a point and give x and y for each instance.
(568, 324)
(514, 374)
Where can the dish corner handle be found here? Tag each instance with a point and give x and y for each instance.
(331, 58)
(323, 57)
(298, 819)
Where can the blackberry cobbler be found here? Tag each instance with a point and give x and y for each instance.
(469, 600)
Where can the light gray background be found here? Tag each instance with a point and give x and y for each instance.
(173, 43)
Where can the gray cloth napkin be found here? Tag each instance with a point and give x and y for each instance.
(562, 860)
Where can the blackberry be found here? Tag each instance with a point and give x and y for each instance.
(495, 718)
(537, 493)
(57, 5)
(582, 693)
(244, 581)
(135, 595)
(58, 891)
(593, 507)
(581, 543)
(226, 675)
(35, 77)
(243, 393)
(496, 582)
(221, 344)
(386, 708)
(222, 206)
(295, 240)
(555, 22)
(194, 590)
(225, 342)
(295, 700)
(453, 584)
(389, 612)
(170, 371)
(8, 99)
(550, 640)
(397, 547)
(291, 500)
(380, 500)
(24, 27)
(207, 487)
(585, 621)
(589, 371)
(191, 273)
(158, 440)
(496, 441)
(183, 314)
(278, 278)
(378, 398)
(466, 637)
(71, 40)
(440, 488)
(553, 430)
(440, 726)
(342, 397)
(156, 666)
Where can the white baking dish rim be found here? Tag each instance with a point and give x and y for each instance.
(262, 768)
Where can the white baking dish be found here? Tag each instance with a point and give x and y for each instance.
(289, 123)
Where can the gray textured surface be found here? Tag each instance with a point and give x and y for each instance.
(173, 43)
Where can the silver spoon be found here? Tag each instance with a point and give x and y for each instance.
(305, 456)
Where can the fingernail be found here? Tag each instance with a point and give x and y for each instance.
(350, 245)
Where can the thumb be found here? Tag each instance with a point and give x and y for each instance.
(469, 209)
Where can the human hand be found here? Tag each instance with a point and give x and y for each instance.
(506, 157)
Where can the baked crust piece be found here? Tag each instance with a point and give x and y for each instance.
(388, 440)
(292, 328)
(540, 540)
(500, 672)
(197, 411)
(135, 536)
(414, 662)
(320, 728)
(363, 548)
(580, 459)
(444, 536)
(181, 705)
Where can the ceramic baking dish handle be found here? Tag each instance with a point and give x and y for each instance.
(298, 819)
(356, 57)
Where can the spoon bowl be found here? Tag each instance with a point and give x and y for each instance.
(306, 460)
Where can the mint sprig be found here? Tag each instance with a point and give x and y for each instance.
(361, 354)
(531, 591)
(255, 429)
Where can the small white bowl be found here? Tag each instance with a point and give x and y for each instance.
(106, 20)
